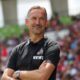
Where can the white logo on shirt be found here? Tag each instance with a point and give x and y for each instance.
(38, 57)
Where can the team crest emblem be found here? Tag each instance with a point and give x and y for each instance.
(40, 51)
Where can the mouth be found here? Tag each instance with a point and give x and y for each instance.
(38, 27)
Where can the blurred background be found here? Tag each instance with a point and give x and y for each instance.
(64, 28)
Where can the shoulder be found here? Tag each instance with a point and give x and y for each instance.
(52, 51)
(20, 46)
(53, 44)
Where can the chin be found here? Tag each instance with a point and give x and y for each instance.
(38, 32)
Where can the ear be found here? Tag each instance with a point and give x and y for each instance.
(26, 21)
(46, 23)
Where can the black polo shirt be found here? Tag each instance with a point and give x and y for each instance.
(29, 55)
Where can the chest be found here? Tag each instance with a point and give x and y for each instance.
(31, 58)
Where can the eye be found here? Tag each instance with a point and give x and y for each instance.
(42, 18)
(33, 18)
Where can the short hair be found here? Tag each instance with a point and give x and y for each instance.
(38, 7)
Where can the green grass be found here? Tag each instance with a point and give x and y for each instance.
(66, 20)
(12, 30)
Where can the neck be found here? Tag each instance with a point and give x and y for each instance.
(36, 38)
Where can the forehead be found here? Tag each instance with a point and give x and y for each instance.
(37, 12)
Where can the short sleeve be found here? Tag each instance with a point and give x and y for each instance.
(12, 59)
(53, 53)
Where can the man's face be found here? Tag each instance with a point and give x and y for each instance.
(37, 21)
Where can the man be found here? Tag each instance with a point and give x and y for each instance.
(37, 58)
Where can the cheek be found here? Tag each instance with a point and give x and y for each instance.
(44, 24)
(32, 23)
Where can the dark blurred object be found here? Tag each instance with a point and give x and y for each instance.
(67, 77)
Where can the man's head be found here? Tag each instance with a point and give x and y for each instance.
(37, 20)
(37, 7)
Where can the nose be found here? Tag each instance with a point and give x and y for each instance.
(37, 21)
